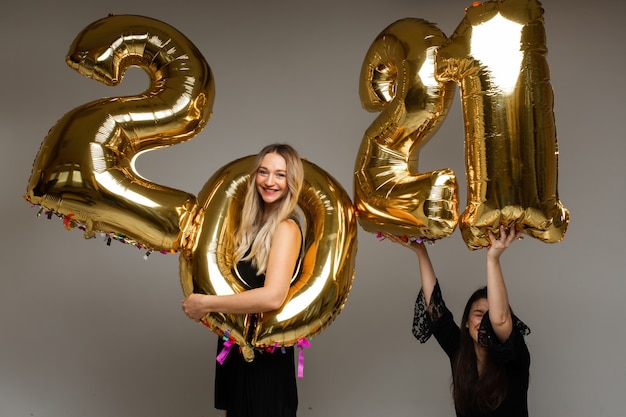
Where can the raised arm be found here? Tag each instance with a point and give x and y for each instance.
(499, 310)
(427, 272)
(283, 255)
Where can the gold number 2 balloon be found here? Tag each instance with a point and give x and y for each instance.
(397, 78)
(84, 170)
(85, 173)
(497, 57)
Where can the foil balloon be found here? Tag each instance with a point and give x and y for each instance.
(497, 55)
(397, 79)
(315, 297)
(84, 170)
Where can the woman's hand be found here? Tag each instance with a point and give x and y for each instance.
(500, 243)
(415, 246)
(195, 306)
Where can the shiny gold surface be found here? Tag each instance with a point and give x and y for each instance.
(397, 79)
(85, 167)
(497, 56)
(84, 172)
(319, 292)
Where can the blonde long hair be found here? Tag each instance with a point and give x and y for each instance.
(253, 233)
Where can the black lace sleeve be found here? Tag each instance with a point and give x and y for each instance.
(487, 337)
(425, 315)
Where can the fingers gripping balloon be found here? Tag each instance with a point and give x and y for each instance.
(497, 57)
(316, 296)
(84, 170)
(397, 78)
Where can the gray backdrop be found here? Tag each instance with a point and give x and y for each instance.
(92, 330)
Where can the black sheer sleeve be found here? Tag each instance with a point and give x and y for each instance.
(426, 315)
(509, 350)
(487, 337)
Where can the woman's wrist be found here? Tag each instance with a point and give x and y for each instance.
(205, 303)
(493, 258)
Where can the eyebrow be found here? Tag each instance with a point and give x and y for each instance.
(267, 169)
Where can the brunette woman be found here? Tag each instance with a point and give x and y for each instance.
(488, 355)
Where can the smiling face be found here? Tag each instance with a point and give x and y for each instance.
(271, 179)
(477, 311)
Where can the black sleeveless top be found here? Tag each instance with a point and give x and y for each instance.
(265, 387)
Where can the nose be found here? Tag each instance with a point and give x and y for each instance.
(269, 179)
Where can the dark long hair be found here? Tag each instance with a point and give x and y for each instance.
(472, 393)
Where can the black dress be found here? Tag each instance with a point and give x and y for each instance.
(265, 387)
(437, 320)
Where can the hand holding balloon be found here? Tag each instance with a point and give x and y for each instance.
(501, 242)
(196, 306)
(416, 245)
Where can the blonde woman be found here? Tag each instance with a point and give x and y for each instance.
(267, 254)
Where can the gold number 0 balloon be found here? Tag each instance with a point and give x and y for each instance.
(397, 78)
(316, 296)
(85, 167)
(497, 55)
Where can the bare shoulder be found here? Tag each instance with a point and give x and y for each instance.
(287, 236)
(288, 227)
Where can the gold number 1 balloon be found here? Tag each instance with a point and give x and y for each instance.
(84, 170)
(85, 173)
(497, 57)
